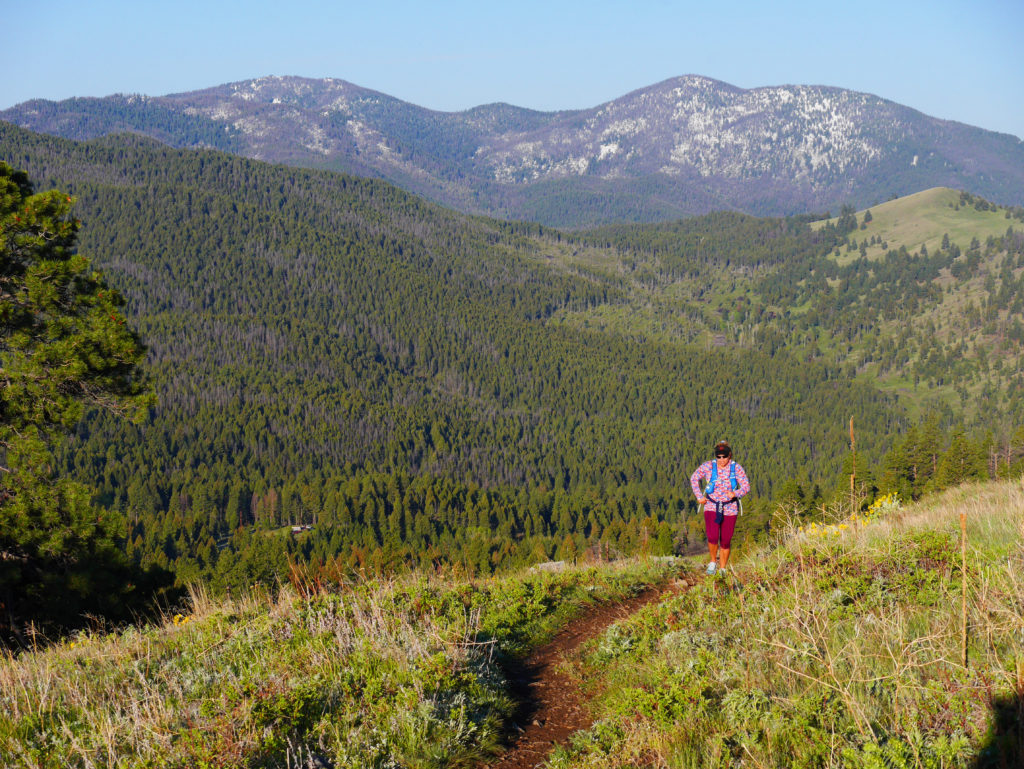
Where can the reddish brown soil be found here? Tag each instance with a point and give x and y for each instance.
(553, 708)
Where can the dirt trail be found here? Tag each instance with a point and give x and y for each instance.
(552, 707)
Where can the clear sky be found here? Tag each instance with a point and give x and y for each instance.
(954, 59)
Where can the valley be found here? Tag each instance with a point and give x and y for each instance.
(422, 387)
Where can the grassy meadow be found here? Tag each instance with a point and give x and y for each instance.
(842, 647)
(922, 219)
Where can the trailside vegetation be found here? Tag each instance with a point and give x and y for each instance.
(382, 673)
(843, 647)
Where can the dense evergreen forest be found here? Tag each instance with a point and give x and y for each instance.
(409, 386)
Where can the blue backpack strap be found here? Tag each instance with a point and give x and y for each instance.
(719, 506)
(735, 487)
(714, 478)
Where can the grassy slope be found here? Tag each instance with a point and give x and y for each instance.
(923, 218)
(920, 220)
(842, 650)
(665, 312)
(375, 675)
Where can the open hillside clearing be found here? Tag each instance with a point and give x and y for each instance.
(921, 219)
(843, 648)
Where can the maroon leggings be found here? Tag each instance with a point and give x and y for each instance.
(719, 535)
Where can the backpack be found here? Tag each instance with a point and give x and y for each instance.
(719, 506)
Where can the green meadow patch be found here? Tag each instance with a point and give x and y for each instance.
(923, 218)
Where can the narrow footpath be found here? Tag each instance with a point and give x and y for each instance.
(553, 708)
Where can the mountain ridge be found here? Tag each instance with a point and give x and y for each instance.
(686, 145)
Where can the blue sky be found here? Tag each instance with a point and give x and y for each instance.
(952, 59)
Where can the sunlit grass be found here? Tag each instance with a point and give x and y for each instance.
(389, 673)
(922, 219)
(841, 647)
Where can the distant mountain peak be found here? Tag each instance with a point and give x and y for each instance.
(685, 145)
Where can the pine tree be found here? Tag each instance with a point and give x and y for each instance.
(64, 346)
(963, 461)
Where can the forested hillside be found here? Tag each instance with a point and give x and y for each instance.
(332, 351)
(924, 299)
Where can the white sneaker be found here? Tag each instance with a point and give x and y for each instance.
(712, 568)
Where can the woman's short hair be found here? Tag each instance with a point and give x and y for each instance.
(723, 448)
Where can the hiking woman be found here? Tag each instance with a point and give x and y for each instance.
(726, 483)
